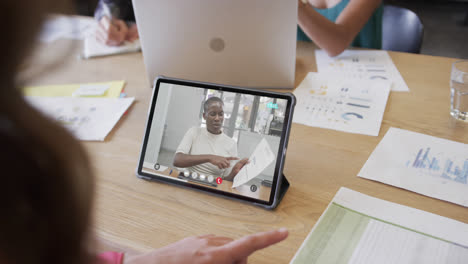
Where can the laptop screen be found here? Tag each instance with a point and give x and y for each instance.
(214, 138)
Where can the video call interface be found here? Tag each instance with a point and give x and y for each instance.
(217, 139)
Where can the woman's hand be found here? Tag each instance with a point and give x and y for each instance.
(239, 165)
(114, 32)
(221, 162)
(208, 249)
(132, 33)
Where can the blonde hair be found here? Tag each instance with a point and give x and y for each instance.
(47, 187)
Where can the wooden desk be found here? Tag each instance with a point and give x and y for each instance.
(139, 215)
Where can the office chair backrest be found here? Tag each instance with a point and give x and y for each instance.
(402, 30)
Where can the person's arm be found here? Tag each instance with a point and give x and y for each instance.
(236, 168)
(334, 38)
(210, 249)
(182, 160)
(110, 257)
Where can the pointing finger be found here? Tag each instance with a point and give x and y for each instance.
(245, 161)
(245, 246)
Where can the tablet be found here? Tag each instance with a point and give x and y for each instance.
(223, 140)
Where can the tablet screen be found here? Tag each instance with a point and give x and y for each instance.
(215, 138)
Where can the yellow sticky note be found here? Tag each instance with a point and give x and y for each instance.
(64, 90)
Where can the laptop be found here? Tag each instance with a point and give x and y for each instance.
(248, 43)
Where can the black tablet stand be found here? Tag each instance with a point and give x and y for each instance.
(283, 188)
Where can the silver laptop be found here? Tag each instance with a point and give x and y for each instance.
(249, 43)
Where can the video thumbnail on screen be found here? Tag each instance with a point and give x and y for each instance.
(218, 139)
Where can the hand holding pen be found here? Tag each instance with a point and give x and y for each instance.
(113, 31)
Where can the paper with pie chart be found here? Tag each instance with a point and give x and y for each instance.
(334, 102)
(258, 161)
(364, 65)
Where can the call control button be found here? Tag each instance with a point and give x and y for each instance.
(253, 188)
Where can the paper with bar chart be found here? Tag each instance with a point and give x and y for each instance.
(424, 164)
(356, 228)
(363, 65)
(343, 104)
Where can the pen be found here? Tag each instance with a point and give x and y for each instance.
(106, 11)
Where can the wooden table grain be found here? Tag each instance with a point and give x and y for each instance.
(137, 215)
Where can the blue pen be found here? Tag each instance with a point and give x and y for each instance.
(170, 172)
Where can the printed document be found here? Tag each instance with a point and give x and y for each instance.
(69, 27)
(94, 48)
(109, 89)
(360, 229)
(344, 104)
(87, 118)
(258, 161)
(363, 65)
(424, 164)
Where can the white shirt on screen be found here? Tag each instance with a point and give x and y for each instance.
(198, 141)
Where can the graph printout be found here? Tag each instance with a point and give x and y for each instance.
(258, 161)
(424, 164)
(344, 104)
(87, 118)
(363, 65)
(359, 229)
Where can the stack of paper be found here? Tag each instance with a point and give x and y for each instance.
(344, 104)
(89, 111)
(360, 229)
